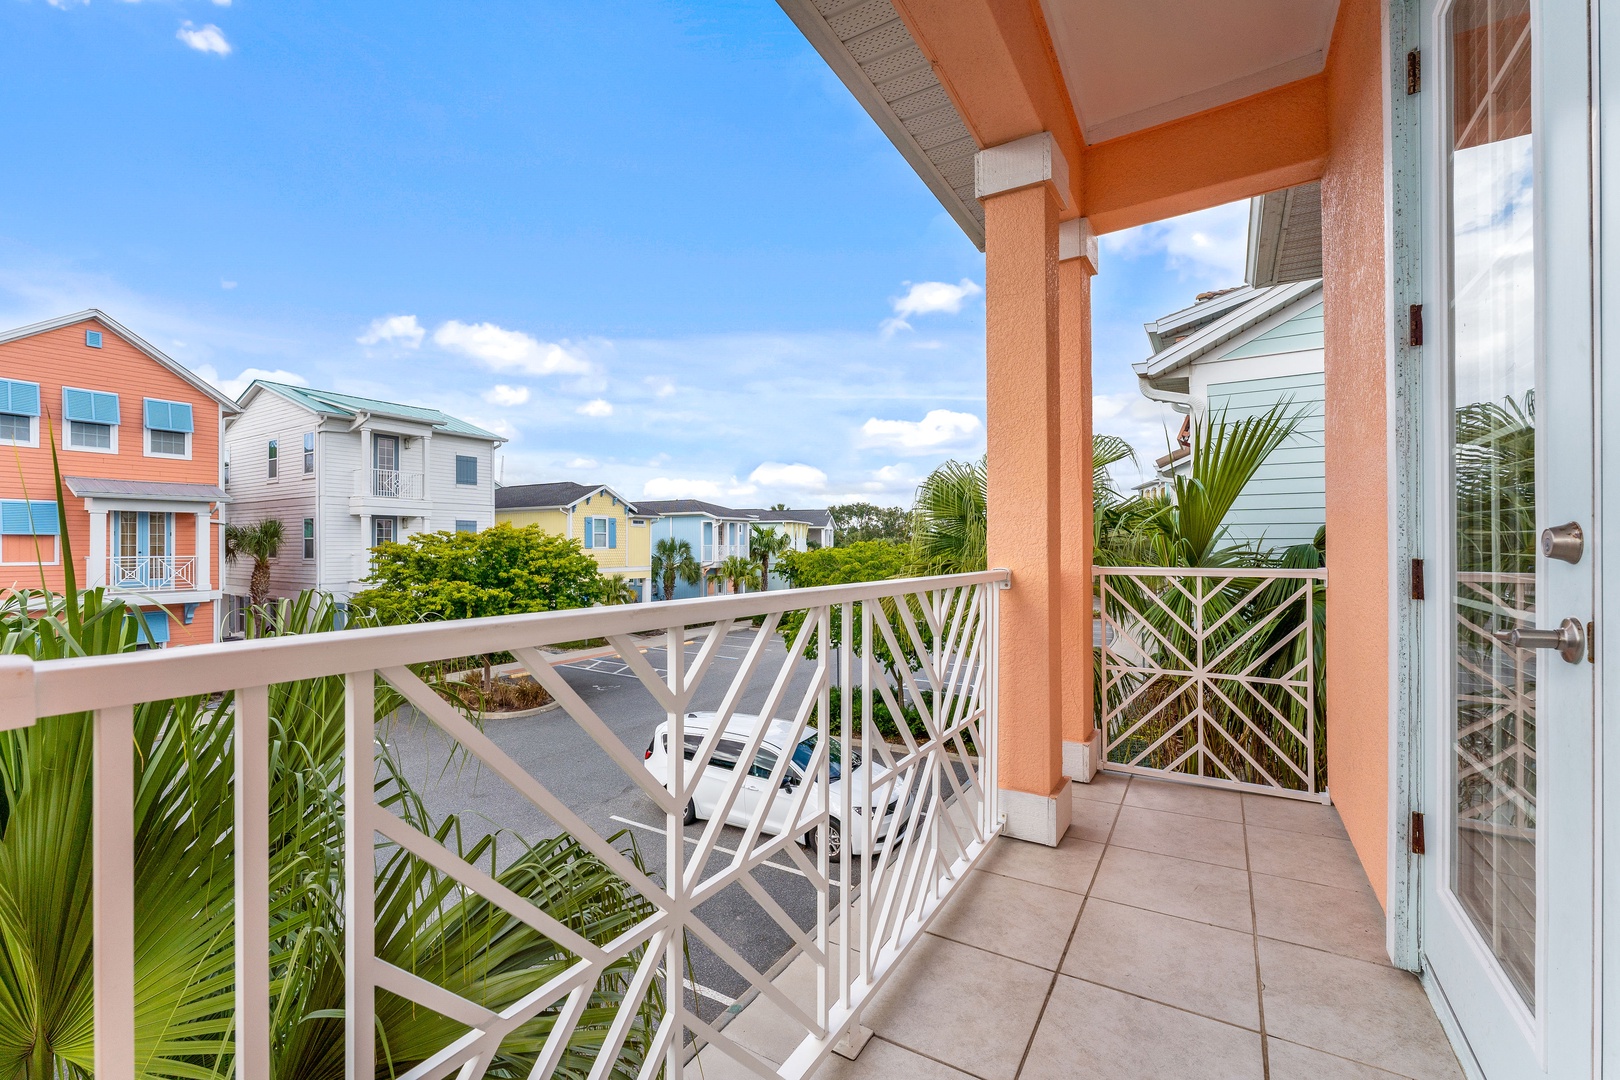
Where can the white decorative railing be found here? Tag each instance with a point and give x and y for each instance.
(134, 573)
(714, 553)
(1211, 676)
(1495, 742)
(940, 787)
(388, 484)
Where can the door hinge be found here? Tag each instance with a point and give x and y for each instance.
(1414, 325)
(1417, 834)
(1414, 71)
(1417, 579)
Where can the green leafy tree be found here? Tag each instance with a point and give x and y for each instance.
(739, 572)
(260, 542)
(864, 560)
(855, 522)
(765, 544)
(671, 559)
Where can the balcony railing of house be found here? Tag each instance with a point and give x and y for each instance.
(1214, 676)
(388, 484)
(715, 553)
(930, 801)
(139, 573)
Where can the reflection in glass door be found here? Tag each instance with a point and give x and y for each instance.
(1493, 854)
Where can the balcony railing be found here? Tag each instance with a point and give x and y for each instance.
(938, 786)
(715, 553)
(1213, 676)
(139, 573)
(388, 484)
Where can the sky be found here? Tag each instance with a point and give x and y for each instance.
(652, 244)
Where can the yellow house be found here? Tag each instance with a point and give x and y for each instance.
(604, 522)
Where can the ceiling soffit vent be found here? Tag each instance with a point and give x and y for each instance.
(872, 51)
(1285, 236)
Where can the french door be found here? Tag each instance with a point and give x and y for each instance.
(143, 549)
(1508, 880)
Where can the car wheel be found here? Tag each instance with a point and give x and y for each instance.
(835, 839)
(690, 817)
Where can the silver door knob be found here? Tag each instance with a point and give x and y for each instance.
(1569, 639)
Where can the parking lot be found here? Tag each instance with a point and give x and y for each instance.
(554, 749)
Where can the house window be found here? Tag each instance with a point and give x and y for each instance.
(309, 452)
(226, 469)
(19, 405)
(92, 419)
(465, 526)
(309, 538)
(92, 338)
(28, 531)
(382, 531)
(601, 532)
(466, 470)
(270, 458)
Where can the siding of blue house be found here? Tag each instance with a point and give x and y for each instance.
(688, 527)
(1304, 331)
(1285, 503)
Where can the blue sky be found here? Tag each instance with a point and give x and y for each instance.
(656, 245)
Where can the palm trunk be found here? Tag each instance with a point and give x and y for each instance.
(259, 583)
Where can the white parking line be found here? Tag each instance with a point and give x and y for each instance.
(712, 995)
(717, 847)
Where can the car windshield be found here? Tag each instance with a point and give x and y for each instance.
(801, 757)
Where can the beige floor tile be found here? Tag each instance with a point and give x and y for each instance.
(1090, 1032)
(764, 1027)
(971, 1009)
(1179, 798)
(1194, 966)
(712, 1063)
(1104, 787)
(1370, 1013)
(1291, 1062)
(1292, 815)
(885, 1061)
(1004, 915)
(1068, 866)
(1091, 819)
(1344, 921)
(1203, 892)
(1325, 860)
(1199, 838)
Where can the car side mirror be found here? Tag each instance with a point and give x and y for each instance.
(789, 782)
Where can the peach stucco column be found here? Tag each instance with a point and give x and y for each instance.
(1077, 262)
(1021, 196)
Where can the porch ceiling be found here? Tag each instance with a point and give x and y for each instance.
(1136, 65)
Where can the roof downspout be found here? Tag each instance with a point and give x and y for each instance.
(1181, 403)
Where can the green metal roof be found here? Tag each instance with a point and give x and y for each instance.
(348, 405)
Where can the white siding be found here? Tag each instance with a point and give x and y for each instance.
(254, 497)
(1286, 501)
(454, 502)
(338, 540)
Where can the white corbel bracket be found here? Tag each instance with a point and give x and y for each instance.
(1076, 240)
(16, 692)
(1034, 159)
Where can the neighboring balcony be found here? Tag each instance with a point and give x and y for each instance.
(388, 491)
(719, 553)
(146, 573)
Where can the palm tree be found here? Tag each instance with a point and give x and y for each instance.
(259, 542)
(949, 520)
(765, 544)
(739, 572)
(671, 559)
(618, 590)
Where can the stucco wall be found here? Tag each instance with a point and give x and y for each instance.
(1357, 466)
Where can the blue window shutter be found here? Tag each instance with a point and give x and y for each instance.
(19, 398)
(613, 532)
(156, 627)
(466, 470)
(106, 407)
(180, 416)
(167, 415)
(589, 524)
(78, 405)
(45, 521)
(21, 518)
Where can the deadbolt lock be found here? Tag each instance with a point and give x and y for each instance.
(1566, 543)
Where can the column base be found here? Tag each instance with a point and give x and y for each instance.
(1040, 819)
(1081, 760)
(853, 1042)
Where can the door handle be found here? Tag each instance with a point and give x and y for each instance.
(1569, 639)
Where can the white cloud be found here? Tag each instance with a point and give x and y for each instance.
(506, 396)
(226, 284)
(233, 387)
(928, 298)
(899, 479)
(940, 429)
(1207, 247)
(499, 349)
(774, 474)
(660, 385)
(672, 487)
(205, 39)
(582, 463)
(394, 329)
(222, 3)
(1149, 426)
(498, 425)
(597, 407)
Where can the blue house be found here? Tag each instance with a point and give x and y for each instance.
(715, 533)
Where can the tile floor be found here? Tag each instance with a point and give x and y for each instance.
(1175, 932)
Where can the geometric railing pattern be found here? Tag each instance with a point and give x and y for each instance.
(921, 650)
(1496, 701)
(1213, 676)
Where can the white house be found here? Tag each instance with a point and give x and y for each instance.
(1241, 351)
(345, 473)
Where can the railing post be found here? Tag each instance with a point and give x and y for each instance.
(360, 876)
(675, 854)
(113, 891)
(251, 746)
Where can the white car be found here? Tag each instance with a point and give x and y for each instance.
(755, 791)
